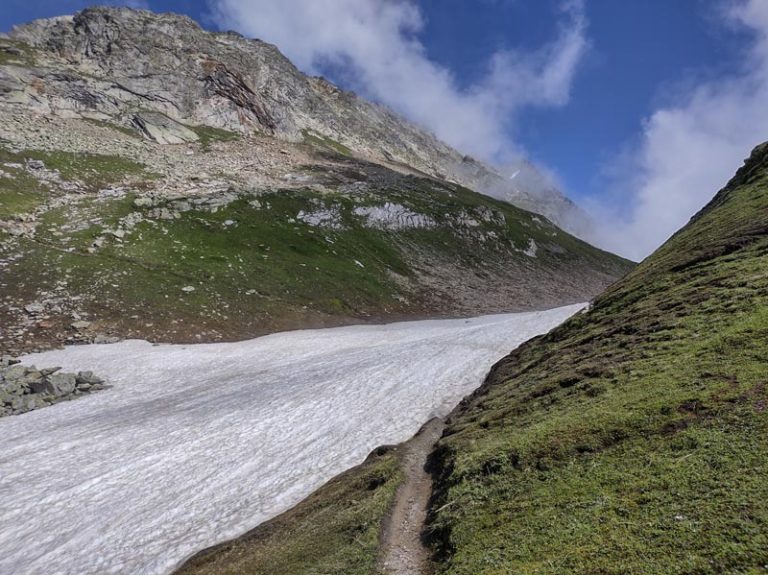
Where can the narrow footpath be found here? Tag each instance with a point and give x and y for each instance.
(402, 549)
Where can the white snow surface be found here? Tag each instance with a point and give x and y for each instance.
(196, 444)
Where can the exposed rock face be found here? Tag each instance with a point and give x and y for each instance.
(111, 63)
(163, 129)
(23, 388)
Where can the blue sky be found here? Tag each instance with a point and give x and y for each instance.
(585, 88)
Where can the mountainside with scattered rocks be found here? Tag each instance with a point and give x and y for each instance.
(164, 182)
(158, 72)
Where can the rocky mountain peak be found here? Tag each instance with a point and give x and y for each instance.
(111, 62)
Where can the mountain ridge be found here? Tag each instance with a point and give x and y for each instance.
(366, 127)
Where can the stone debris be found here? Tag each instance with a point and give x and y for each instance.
(25, 388)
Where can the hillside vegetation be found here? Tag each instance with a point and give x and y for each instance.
(631, 440)
(93, 238)
(634, 438)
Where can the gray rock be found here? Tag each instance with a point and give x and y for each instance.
(6, 398)
(33, 401)
(18, 404)
(15, 373)
(25, 388)
(31, 376)
(87, 378)
(143, 202)
(162, 129)
(43, 387)
(62, 383)
(34, 308)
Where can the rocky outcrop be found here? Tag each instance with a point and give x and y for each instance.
(159, 71)
(162, 129)
(24, 388)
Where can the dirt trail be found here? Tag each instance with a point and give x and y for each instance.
(402, 549)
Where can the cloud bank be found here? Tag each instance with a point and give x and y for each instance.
(688, 152)
(375, 44)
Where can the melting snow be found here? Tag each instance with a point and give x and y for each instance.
(195, 444)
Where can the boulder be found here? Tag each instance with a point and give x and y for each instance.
(6, 361)
(6, 398)
(162, 129)
(34, 308)
(87, 378)
(31, 376)
(15, 373)
(43, 387)
(62, 383)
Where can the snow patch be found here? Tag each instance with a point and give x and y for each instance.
(196, 444)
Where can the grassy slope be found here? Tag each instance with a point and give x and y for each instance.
(631, 440)
(256, 268)
(333, 532)
(22, 193)
(634, 438)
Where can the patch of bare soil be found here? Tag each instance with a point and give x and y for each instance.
(403, 551)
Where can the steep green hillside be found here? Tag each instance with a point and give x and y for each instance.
(335, 531)
(634, 438)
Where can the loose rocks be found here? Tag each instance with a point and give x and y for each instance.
(24, 388)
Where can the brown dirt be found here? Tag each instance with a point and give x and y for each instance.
(402, 548)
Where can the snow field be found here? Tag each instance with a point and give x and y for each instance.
(196, 444)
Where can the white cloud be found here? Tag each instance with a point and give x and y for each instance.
(688, 152)
(376, 44)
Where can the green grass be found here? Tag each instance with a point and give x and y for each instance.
(20, 193)
(208, 135)
(333, 532)
(287, 262)
(325, 143)
(93, 170)
(633, 439)
(16, 53)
